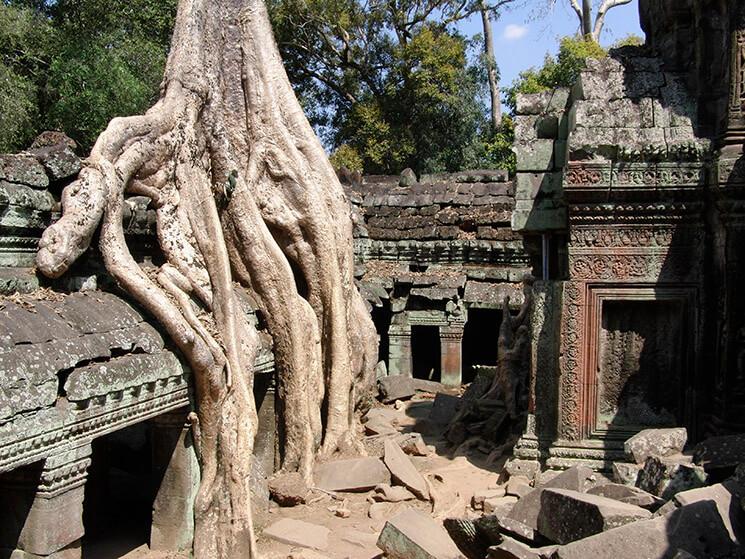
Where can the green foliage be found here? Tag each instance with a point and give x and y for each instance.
(90, 84)
(561, 71)
(391, 80)
(630, 40)
(346, 156)
(75, 64)
(18, 102)
(498, 146)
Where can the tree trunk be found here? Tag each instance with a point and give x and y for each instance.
(491, 70)
(244, 194)
(587, 18)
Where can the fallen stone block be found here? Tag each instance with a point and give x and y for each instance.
(355, 474)
(667, 476)
(626, 494)
(518, 486)
(578, 478)
(413, 444)
(720, 454)
(513, 549)
(626, 474)
(386, 414)
(696, 529)
(288, 489)
(518, 529)
(378, 426)
(568, 516)
(499, 503)
(404, 471)
(467, 537)
(396, 494)
(414, 535)
(528, 468)
(477, 502)
(444, 408)
(298, 532)
(429, 386)
(397, 387)
(655, 442)
(306, 554)
(727, 497)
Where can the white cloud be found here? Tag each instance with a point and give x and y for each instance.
(513, 32)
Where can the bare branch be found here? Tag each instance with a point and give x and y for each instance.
(602, 12)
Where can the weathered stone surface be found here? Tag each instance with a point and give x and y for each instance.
(414, 535)
(354, 474)
(518, 486)
(298, 532)
(513, 549)
(494, 504)
(127, 371)
(23, 169)
(517, 529)
(379, 427)
(412, 444)
(626, 494)
(537, 155)
(477, 501)
(696, 529)
(528, 508)
(728, 497)
(720, 453)
(533, 103)
(655, 442)
(407, 178)
(22, 195)
(429, 385)
(403, 471)
(395, 494)
(667, 476)
(567, 515)
(396, 387)
(59, 161)
(288, 489)
(626, 474)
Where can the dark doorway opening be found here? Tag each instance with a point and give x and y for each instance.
(382, 319)
(119, 494)
(480, 340)
(425, 352)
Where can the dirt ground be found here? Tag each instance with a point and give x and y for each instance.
(454, 479)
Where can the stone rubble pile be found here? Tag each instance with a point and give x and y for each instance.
(680, 503)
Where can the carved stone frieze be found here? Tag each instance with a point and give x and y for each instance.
(634, 175)
(572, 326)
(660, 265)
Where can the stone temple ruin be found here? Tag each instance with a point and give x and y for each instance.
(615, 253)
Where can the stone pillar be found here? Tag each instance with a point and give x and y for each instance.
(176, 472)
(451, 349)
(43, 507)
(399, 350)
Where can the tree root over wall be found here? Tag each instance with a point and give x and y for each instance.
(244, 194)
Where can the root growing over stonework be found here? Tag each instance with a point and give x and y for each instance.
(244, 194)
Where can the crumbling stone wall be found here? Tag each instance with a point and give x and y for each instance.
(429, 250)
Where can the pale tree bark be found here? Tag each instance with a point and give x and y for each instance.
(584, 14)
(491, 69)
(244, 194)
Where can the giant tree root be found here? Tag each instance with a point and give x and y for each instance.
(244, 193)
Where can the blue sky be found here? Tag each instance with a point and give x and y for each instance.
(523, 36)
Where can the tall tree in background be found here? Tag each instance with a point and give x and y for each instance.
(492, 73)
(391, 80)
(592, 26)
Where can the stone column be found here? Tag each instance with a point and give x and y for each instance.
(399, 350)
(43, 506)
(176, 471)
(451, 349)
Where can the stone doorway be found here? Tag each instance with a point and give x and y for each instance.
(425, 352)
(480, 340)
(119, 494)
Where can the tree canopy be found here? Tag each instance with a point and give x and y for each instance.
(75, 64)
